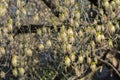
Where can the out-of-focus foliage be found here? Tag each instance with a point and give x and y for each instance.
(77, 46)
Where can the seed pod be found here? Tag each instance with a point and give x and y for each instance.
(41, 47)
(106, 4)
(3, 10)
(98, 28)
(15, 72)
(111, 28)
(98, 37)
(71, 39)
(88, 60)
(95, 59)
(76, 24)
(2, 50)
(71, 21)
(10, 27)
(113, 4)
(62, 17)
(77, 71)
(14, 60)
(72, 57)
(21, 71)
(80, 59)
(36, 17)
(64, 47)
(2, 74)
(59, 37)
(110, 43)
(67, 61)
(93, 66)
(117, 2)
(77, 14)
(48, 43)
(69, 48)
(81, 33)
(28, 52)
(23, 11)
(64, 36)
(70, 32)
(44, 30)
(101, 11)
(93, 44)
(10, 37)
(39, 32)
(5, 30)
(102, 36)
(67, 3)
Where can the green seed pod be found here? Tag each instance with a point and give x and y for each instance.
(67, 61)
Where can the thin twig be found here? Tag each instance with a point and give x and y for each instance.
(108, 65)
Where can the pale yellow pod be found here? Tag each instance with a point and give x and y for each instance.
(14, 60)
(2, 50)
(21, 71)
(41, 47)
(2, 74)
(70, 32)
(15, 72)
(67, 61)
(69, 48)
(80, 59)
(72, 56)
(93, 66)
(28, 52)
(48, 44)
(88, 60)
